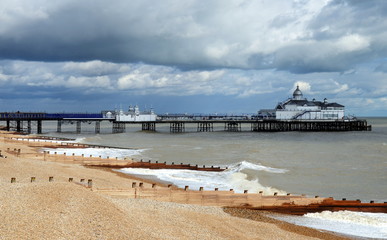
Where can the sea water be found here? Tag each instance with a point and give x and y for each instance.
(351, 165)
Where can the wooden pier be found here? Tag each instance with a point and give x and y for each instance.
(15, 121)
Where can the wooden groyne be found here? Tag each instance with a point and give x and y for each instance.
(288, 204)
(99, 161)
(157, 165)
(283, 203)
(328, 204)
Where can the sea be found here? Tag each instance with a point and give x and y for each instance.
(351, 165)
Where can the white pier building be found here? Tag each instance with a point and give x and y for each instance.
(133, 115)
(299, 108)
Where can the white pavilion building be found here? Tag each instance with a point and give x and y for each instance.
(299, 108)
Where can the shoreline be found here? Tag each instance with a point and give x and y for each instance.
(305, 231)
(25, 166)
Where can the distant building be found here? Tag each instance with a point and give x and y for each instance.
(132, 115)
(299, 108)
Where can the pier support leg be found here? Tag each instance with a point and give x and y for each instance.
(118, 127)
(18, 125)
(39, 127)
(59, 126)
(232, 127)
(79, 127)
(255, 127)
(177, 127)
(8, 125)
(29, 127)
(97, 127)
(205, 127)
(149, 126)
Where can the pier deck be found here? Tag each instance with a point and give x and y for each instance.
(15, 121)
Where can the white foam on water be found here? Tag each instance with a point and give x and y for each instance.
(96, 152)
(80, 140)
(232, 178)
(247, 165)
(40, 140)
(360, 224)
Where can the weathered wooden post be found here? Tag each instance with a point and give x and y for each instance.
(89, 183)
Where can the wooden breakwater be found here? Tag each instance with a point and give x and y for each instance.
(98, 161)
(288, 203)
(157, 165)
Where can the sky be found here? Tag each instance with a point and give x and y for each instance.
(192, 56)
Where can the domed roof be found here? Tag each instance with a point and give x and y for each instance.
(297, 94)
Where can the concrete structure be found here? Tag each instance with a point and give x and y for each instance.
(299, 108)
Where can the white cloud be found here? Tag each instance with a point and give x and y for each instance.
(304, 87)
(101, 82)
(352, 42)
(94, 68)
(154, 81)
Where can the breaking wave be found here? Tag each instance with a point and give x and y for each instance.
(247, 165)
(103, 152)
(232, 178)
(360, 224)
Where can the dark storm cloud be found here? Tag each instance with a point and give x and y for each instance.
(104, 53)
(190, 34)
(299, 36)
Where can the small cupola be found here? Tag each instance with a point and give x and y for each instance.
(297, 94)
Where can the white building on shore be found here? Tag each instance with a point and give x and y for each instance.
(299, 108)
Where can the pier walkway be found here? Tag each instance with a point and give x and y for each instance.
(177, 124)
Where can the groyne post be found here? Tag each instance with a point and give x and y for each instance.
(90, 183)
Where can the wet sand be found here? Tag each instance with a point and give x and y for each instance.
(64, 210)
